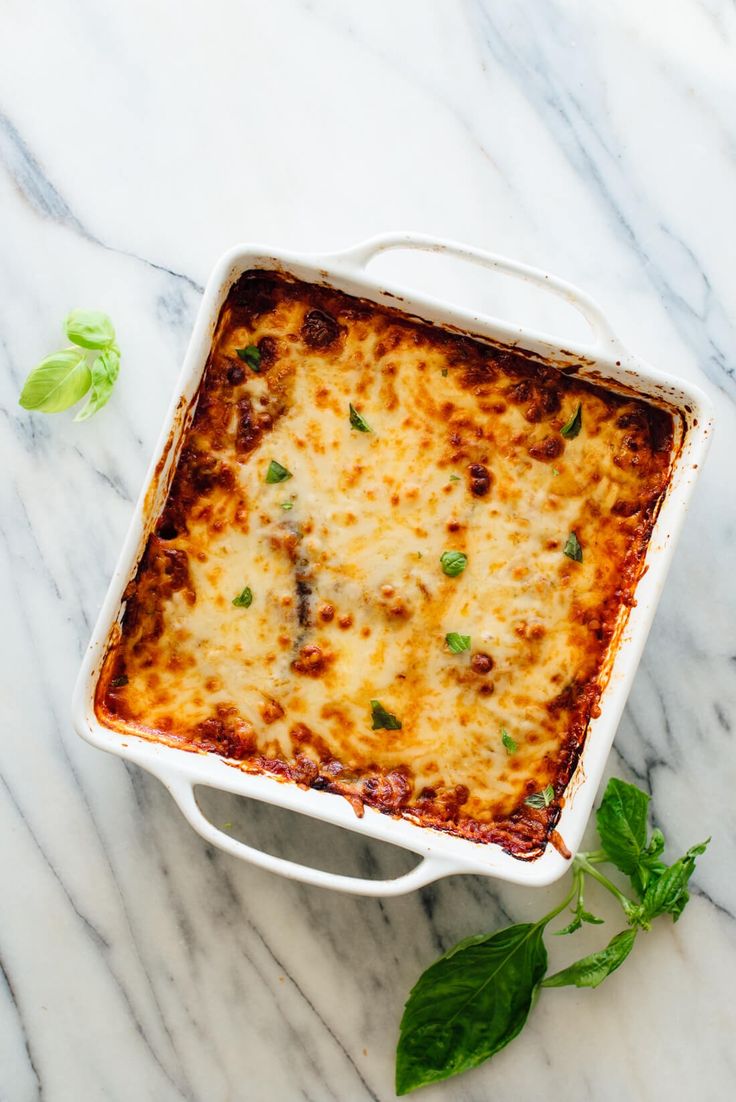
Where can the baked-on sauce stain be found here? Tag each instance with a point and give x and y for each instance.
(350, 604)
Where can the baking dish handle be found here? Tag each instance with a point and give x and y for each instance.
(429, 869)
(361, 255)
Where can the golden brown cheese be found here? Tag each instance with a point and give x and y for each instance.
(343, 559)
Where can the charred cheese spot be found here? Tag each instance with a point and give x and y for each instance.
(350, 603)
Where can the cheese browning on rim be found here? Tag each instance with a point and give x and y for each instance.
(298, 590)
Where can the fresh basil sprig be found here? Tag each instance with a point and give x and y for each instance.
(476, 998)
(63, 378)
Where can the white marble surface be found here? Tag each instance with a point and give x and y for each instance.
(138, 141)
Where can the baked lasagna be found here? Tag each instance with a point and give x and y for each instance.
(393, 563)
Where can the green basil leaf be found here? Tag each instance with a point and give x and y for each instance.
(383, 720)
(667, 893)
(622, 824)
(581, 916)
(57, 383)
(277, 473)
(455, 478)
(244, 599)
(453, 563)
(105, 370)
(251, 355)
(357, 421)
(510, 744)
(89, 329)
(574, 425)
(541, 799)
(593, 969)
(649, 863)
(469, 1004)
(572, 548)
(286, 505)
(457, 643)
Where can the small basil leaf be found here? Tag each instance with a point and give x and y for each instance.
(541, 799)
(453, 563)
(457, 643)
(57, 383)
(357, 421)
(649, 864)
(593, 969)
(469, 1005)
(622, 824)
(572, 548)
(277, 473)
(510, 744)
(89, 329)
(576, 923)
(574, 425)
(581, 916)
(251, 355)
(667, 893)
(244, 599)
(383, 720)
(286, 505)
(105, 370)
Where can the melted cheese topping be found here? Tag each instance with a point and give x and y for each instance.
(350, 603)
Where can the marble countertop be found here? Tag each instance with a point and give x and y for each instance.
(137, 142)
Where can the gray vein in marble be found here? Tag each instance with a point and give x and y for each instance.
(588, 148)
(39, 192)
(99, 940)
(92, 930)
(22, 1026)
(215, 858)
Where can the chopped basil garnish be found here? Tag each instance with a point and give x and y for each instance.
(277, 473)
(457, 643)
(357, 421)
(444, 372)
(541, 799)
(510, 744)
(118, 682)
(287, 505)
(453, 563)
(555, 472)
(244, 599)
(572, 548)
(251, 355)
(574, 425)
(455, 478)
(383, 720)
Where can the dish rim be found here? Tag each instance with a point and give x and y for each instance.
(606, 359)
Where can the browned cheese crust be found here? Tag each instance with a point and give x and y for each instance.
(350, 603)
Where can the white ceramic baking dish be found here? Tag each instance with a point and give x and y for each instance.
(605, 360)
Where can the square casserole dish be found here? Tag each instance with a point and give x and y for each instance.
(606, 362)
